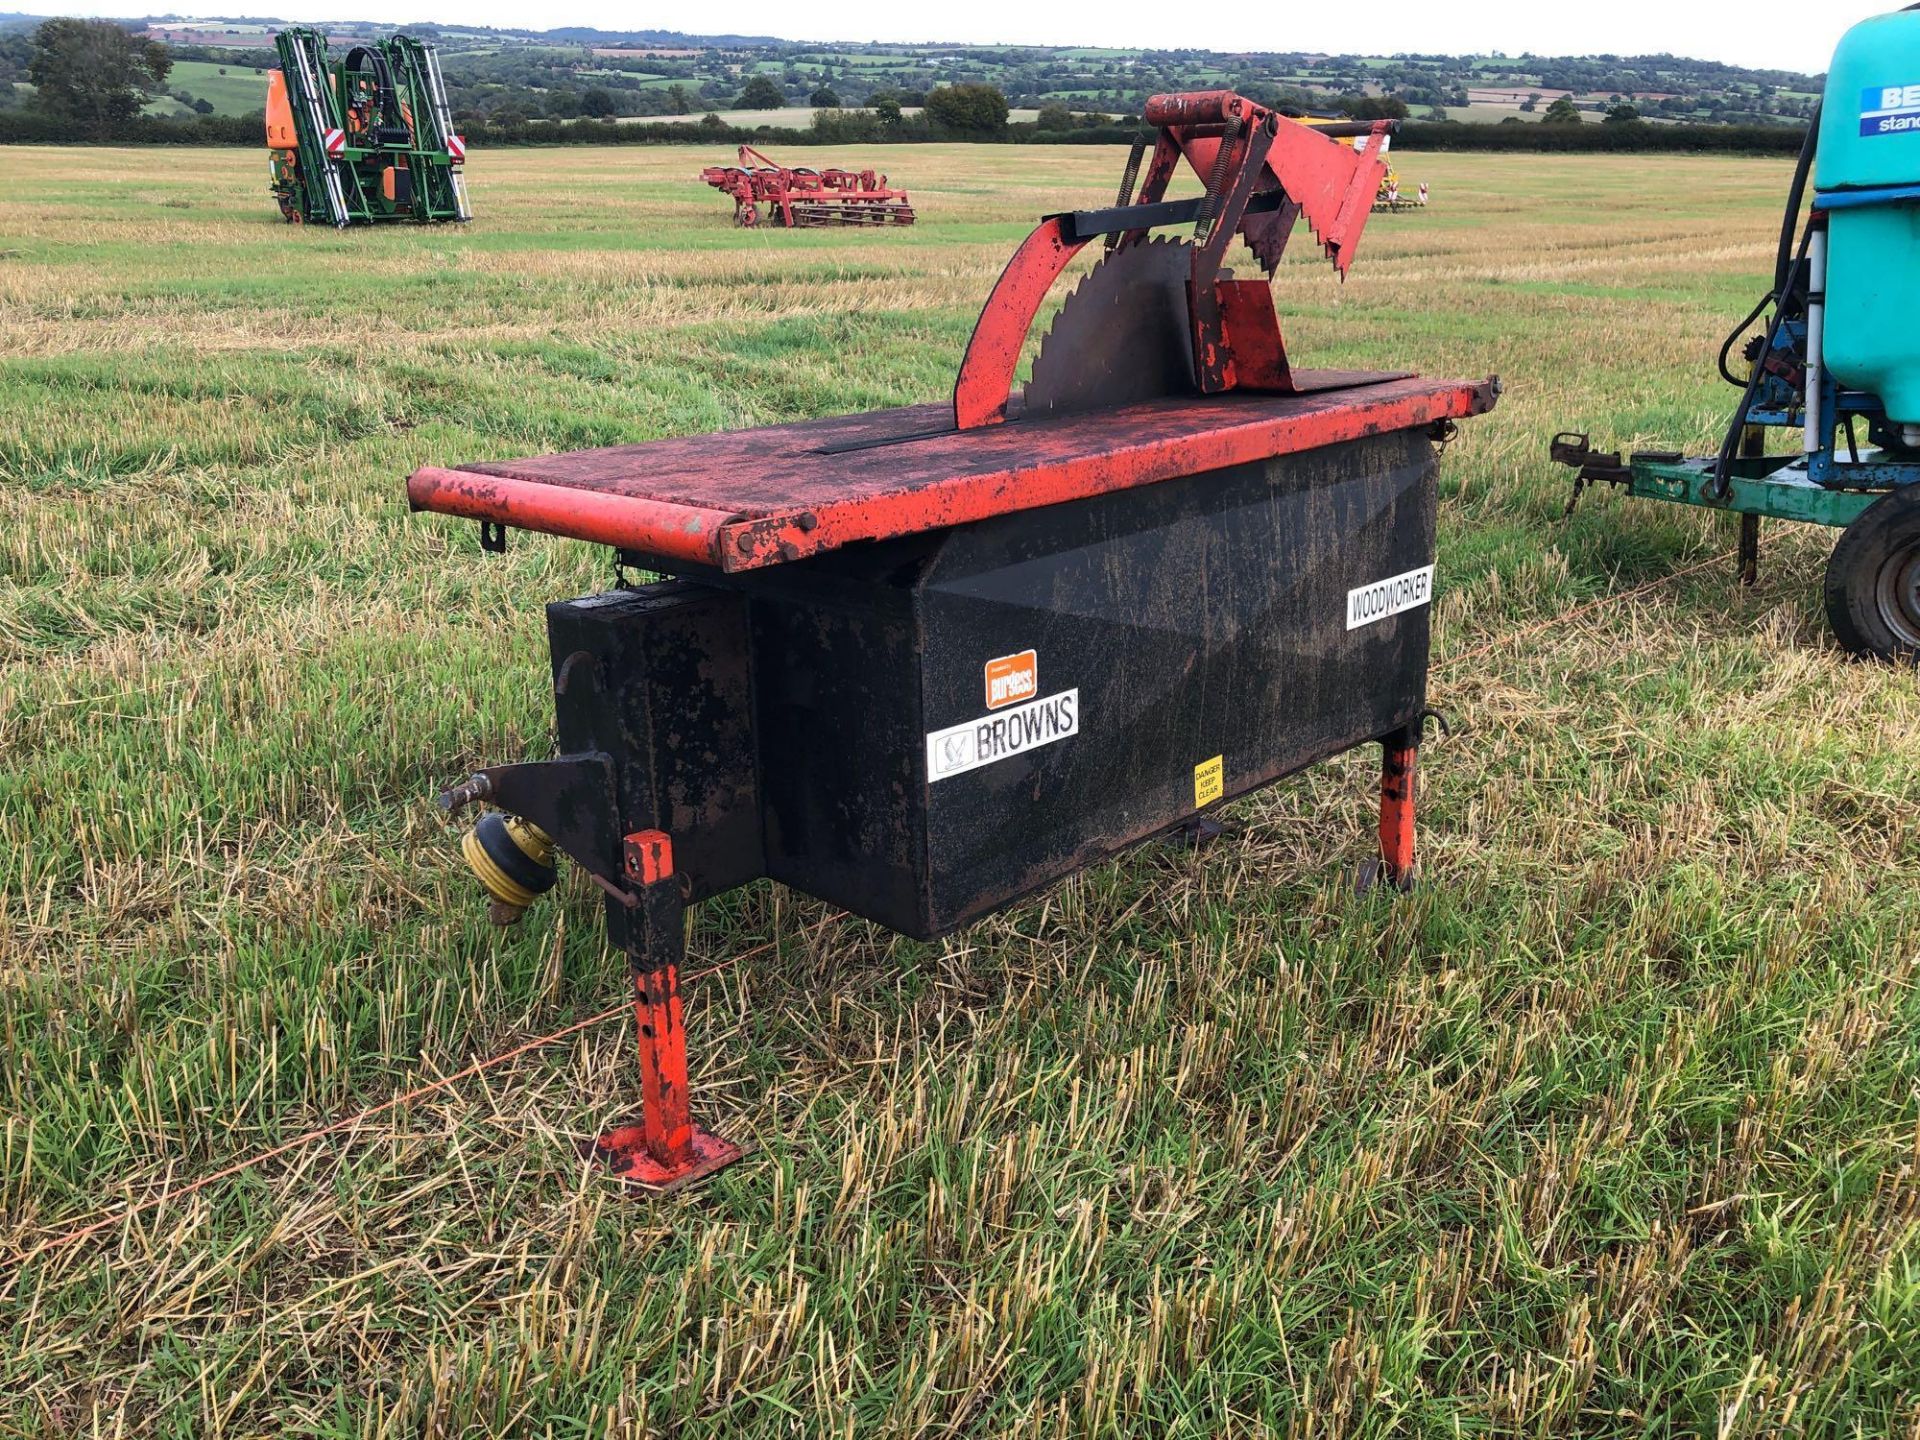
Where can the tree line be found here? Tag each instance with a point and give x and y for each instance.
(91, 79)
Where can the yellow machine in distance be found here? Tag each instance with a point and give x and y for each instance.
(1389, 196)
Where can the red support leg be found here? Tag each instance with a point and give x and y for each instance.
(1399, 757)
(666, 1150)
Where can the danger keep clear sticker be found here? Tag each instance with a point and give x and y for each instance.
(1002, 735)
(1209, 781)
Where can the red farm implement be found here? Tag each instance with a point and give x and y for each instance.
(799, 197)
(923, 662)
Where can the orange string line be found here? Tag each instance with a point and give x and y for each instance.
(238, 1167)
(94, 1227)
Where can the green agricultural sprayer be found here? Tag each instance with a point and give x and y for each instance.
(365, 139)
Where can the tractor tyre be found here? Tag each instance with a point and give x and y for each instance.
(1873, 580)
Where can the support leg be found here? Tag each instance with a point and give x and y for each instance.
(666, 1150)
(1399, 757)
(1753, 442)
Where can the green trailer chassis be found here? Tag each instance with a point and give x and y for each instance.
(1776, 487)
(1872, 589)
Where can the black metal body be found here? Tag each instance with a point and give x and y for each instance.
(777, 722)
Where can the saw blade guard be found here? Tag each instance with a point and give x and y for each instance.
(1330, 184)
(1262, 173)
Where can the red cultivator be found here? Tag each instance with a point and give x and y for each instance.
(806, 197)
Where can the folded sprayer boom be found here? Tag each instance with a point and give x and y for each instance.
(365, 139)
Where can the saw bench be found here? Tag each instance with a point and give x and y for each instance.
(923, 662)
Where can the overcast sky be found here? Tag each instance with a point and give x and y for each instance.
(1788, 34)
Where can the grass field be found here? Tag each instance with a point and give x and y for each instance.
(1611, 1129)
(240, 90)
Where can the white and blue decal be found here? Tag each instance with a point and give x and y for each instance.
(1890, 110)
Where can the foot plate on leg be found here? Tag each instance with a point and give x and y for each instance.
(624, 1152)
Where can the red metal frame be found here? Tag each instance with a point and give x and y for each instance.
(984, 387)
(785, 492)
(1253, 356)
(1398, 772)
(666, 1150)
(1332, 184)
(825, 197)
(1238, 149)
(782, 493)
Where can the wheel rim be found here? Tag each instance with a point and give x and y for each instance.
(1897, 595)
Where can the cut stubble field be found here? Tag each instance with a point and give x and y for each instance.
(1610, 1129)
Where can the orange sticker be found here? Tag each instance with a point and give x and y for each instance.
(1013, 678)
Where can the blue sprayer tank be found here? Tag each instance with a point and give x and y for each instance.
(1867, 177)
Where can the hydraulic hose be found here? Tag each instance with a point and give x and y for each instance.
(1733, 338)
(1787, 268)
(1782, 303)
(386, 100)
(1790, 222)
(1783, 252)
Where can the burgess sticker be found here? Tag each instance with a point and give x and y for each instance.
(1013, 678)
(1001, 736)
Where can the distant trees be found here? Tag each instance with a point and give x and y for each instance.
(968, 109)
(880, 88)
(597, 104)
(16, 54)
(760, 93)
(1287, 99)
(1561, 112)
(846, 127)
(93, 72)
(1373, 107)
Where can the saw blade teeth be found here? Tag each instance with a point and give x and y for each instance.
(1086, 278)
(1113, 339)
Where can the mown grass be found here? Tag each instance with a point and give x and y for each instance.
(1609, 1130)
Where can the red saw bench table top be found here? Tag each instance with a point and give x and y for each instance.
(748, 498)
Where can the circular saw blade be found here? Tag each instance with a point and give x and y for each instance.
(1121, 337)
